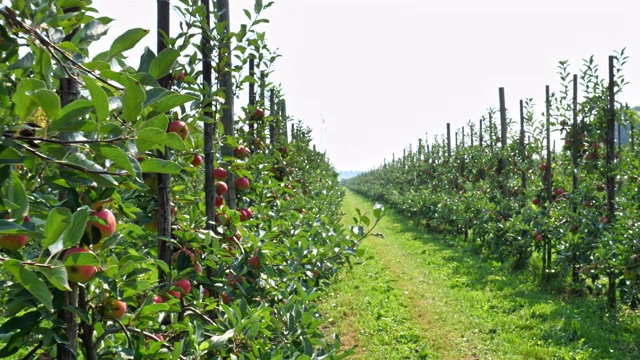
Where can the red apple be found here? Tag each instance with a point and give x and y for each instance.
(179, 127)
(197, 160)
(157, 299)
(184, 253)
(242, 184)
(222, 219)
(283, 150)
(258, 114)
(113, 308)
(241, 152)
(536, 201)
(219, 201)
(106, 225)
(221, 187)
(249, 213)
(243, 215)
(219, 173)
(184, 284)
(542, 167)
(254, 261)
(79, 273)
(14, 242)
(179, 76)
(226, 298)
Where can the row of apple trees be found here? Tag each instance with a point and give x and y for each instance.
(511, 193)
(140, 217)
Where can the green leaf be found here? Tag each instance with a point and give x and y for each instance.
(115, 154)
(9, 155)
(30, 281)
(219, 341)
(57, 221)
(168, 101)
(132, 99)
(160, 121)
(145, 60)
(76, 227)
(57, 275)
(365, 220)
(18, 195)
(101, 179)
(82, 258)
(126, 41)
(24, 62)
(19, 322)
(25, 105)
(70, 113)
(48, 101)
(163, 63)
(154, 165)
(93, 31)
(98, 97)
(150, 138)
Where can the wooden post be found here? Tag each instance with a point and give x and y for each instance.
(164, 180)
(225, 79)
(502, 163)
(523, 149)
(252, 97)
(609, 163)
(546, 252)
(209, 128)
(574, 141)
(283, 114)
(448, 141)
(274, 114)
(480, 132)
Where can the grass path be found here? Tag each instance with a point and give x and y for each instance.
(415, 298)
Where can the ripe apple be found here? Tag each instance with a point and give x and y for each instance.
(241, 152)
(242, 184)
(197, 160)
(184, 284)
(14, 242)
(542, 167)
(219, 201)
(558, 192)
(254, 262)
(243, 215)
(219, 173)
(226, 298)
(222, 219)
(157, 299)
(179, 76)
(113, 308)
(283, 150)
(79, 273)
(249, 213)
(179, 127)
(185, 254)
(221, 187)
(106, 227)
(258, 114)
(604, 219)
(536, 201)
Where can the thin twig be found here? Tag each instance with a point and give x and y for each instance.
(64, 142)
(72, 165)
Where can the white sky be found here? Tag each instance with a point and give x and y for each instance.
(384, 73)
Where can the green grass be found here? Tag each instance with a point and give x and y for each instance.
(415, 296)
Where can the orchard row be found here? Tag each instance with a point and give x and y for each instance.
(142, 218)
(570, 212)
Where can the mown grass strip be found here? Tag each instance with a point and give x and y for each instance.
(452, 304)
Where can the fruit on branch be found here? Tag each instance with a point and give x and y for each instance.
(241, 152)
(242, 184)
(197, 160)
(254, 262)
(219, 173)
(14, 242)
(221, 187)
(79, 273)
(157, 299)
(113, 308)
(179, 127)
(536, 201)
(106, 225)
(222, 219)
(184, 284)
(283, 150)
(219, 201)
(542, 167)
(258, 114)
(179, 76)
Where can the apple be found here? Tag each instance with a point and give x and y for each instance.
(600, 188)
(157, 299)
(249, 213)
(197, 160)
(106, 230)
(242, 184)
(184, 284)
(179, 127)
(197, 267)
(79, 273)
(179, 76)
(221, 187)
(219, 173)
(184, 253)
(604, 219)
(241, 152)
(14, 242)
(258, 114)
(113, 308)
(542, 167)
(219, 201)
(222, 219)
(536, 201)
(226, 298)
(283, 150)
(254, 261)
(243, 215)
(559, 192)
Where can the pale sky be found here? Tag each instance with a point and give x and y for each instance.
(384, 73)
